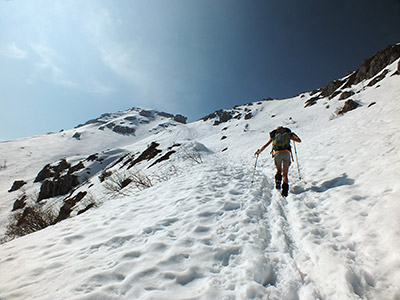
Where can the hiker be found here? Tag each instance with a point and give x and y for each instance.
(280, 138)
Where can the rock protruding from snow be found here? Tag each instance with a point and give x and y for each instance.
(225, 115)
(148, 154)
(369, 69)
(372, 66)
(330, 88)
(123, 129)
(58, 186)
(16, 185)
(66, 209)
(19, 203)
(346, 95)
(378, 78)
(348, 106)
(181, 119)
(52, 171)
(221, 116)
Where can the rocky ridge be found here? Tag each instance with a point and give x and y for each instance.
(372, 69)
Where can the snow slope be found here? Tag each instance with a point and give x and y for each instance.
(205, 232)
(24, 158)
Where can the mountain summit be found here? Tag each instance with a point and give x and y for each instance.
(139, 205)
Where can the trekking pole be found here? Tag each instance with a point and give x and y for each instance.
(297, 161)
(254, 170)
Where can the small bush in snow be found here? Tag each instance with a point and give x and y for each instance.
(167, 175)
(141, 181)
(30, 220)
(117, 182)
(3, 166)
(192, 154)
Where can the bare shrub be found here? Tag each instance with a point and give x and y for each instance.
(117, 182)
(167, 175)
(141, 181)
(3, 166)
(30, 220)
(192, 154)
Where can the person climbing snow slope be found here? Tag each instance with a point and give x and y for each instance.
(280, 139)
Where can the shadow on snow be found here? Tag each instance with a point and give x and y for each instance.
(326, 185)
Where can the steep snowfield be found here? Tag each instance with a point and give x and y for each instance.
(207, 233)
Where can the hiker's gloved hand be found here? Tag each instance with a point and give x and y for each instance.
(257, 152)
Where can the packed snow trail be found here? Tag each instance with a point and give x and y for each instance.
(315, 260)
(202, 235)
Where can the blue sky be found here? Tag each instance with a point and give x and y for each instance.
(64, 62)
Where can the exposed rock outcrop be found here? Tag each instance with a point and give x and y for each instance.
(369, 68)
(147, 154)
(248, 116)
(52, 171)
(180, 119)
(125, 130)
(19, 203)
(378, 78)
(164, 114)
(66, 209)
(77, 135)
(330, 88)
(311, 101)
(16, 185)
(374, 65)
(348, 106)
(57, 187)
(222, 115)
(166, 156)
(146, 113)
(77, 167)
(346, 95)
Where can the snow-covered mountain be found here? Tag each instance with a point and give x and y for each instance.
(139, 205)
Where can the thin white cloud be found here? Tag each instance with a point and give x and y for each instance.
(48, 66)
(120, 60)
(125, 60)
(13, 51)
(100, 88)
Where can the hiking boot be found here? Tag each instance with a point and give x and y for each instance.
(285, 189)
(278, 179)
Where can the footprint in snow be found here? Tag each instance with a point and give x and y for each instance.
(228, 206)
(202, 229)
(175, 259)
(72, 238)
(132, 255)
(235, 192)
